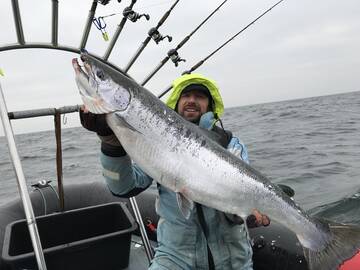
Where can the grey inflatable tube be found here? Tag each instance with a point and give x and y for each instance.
(275, 247)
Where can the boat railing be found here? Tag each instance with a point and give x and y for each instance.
(56, 112)
(25, 198)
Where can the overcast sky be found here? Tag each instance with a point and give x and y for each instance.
(301, 48)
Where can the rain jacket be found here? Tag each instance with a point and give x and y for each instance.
(182, 244)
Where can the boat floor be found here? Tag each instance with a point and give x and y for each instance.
(138, 259)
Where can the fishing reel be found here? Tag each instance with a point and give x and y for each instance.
(105, 2)
(134, 16)
(157, 37)
(174, 56)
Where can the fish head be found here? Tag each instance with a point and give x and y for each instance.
(102, 87)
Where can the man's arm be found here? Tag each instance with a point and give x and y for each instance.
(237, 148)
(123, 177)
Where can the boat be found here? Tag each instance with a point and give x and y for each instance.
(274, 246)
(73, 236)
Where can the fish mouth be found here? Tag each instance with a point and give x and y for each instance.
(98, 90)
(89, 68)
(90, 87)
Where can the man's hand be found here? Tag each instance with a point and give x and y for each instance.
(207, 120)
(94, 122)
(257, 219)
(110, 145)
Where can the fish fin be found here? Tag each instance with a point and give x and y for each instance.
(114, 120)
(185, 205)
(344, 244)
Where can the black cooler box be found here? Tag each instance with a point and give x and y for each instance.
(91, 238)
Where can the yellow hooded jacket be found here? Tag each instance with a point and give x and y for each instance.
(180, 83)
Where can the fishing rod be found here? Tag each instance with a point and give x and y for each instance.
(197, 65)
(89, 21)
(152, 34)
(173, 54)
(128, 14)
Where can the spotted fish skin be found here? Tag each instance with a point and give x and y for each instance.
(183, 157)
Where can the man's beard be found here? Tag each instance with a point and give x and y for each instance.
(195, 121)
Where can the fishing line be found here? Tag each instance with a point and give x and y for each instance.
(229, 40)
(153, 5)
(173, 53)
(201, 62)
(152, 34)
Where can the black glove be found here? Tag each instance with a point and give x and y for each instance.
(110, 145)
(95, 122)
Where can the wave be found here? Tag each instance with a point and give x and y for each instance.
(310, 144)
(346, 210)
(69, 148)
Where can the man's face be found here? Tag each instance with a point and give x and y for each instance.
(192, 105)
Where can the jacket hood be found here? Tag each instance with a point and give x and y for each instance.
(180, 83)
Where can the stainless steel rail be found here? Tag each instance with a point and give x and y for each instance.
(56, 112)
(148, 248)
(55, 22)
(17, 20)
(42, 112)
(57, 123)
(25, 198)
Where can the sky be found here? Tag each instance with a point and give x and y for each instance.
(301, 48)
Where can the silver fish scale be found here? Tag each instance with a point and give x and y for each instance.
(179, 155)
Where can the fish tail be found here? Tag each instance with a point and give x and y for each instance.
(343, 246)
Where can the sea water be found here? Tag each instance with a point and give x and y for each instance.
(310, 144)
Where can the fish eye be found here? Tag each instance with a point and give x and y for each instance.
(100, 74)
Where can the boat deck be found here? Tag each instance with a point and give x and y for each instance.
(138, 259)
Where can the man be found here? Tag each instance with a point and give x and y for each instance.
(208, 239)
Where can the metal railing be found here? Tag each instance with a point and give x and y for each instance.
(56, 112)
(25, 198)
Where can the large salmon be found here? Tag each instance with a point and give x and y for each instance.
(183, 157)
